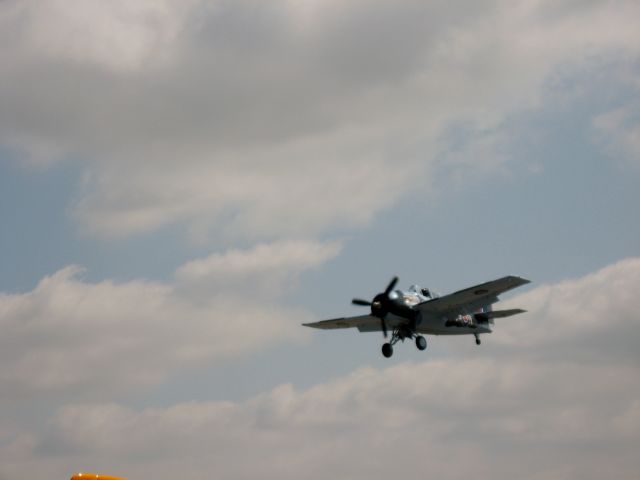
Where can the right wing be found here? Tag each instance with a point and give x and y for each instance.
(471, 297)
(364, 323)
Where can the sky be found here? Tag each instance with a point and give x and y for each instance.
(183, 183)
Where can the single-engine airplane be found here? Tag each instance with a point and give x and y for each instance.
(408, 314)
(94, 476)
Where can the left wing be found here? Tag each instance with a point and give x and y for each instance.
(362, 322)
(484, 293)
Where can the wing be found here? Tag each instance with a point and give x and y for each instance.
(364, 323)
(472, 297)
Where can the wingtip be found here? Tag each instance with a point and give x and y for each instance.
(520, 280)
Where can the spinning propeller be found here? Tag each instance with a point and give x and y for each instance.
(381, 304)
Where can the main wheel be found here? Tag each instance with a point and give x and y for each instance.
(421, 342)
(387, 350)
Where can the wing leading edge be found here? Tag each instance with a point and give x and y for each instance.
(364, 323)
(361, 322)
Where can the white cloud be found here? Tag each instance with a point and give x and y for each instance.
(501, 417)
(498, 411)
(76, 338)
(271, 119)
(266, 196)
(266, 268)
(599, 313)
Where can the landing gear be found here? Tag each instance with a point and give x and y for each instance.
(403, 333)
(477, 339)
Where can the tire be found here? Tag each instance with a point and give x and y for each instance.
(387, 350)
(421, 342)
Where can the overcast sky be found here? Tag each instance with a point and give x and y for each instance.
(183, 183)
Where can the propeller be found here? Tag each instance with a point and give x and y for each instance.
(380, 305)
(391, 286)
(362, 303)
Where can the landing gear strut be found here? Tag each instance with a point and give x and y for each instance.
(477, 338)
(403, 333)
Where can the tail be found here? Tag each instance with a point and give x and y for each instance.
(484, 315)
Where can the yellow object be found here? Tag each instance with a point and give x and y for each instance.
(93, 476)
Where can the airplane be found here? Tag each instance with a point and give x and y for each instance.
(93, 476)
(409, 314)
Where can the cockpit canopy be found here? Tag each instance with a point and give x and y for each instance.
(425, 292)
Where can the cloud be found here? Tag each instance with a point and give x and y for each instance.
(254, 119)
(619, 131)
(267, 197)
(499, 411)
(74, 338)
(271, 268)
(597, 313)
(503, 417)
(119, 36)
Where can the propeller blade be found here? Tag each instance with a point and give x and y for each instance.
(363, 303)
(384, 327)
(391, 286)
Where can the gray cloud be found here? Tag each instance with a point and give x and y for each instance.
(499, 411)
(280, 118)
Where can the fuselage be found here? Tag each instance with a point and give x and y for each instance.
(460, 323)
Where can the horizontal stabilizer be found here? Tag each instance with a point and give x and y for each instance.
(498, 314)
